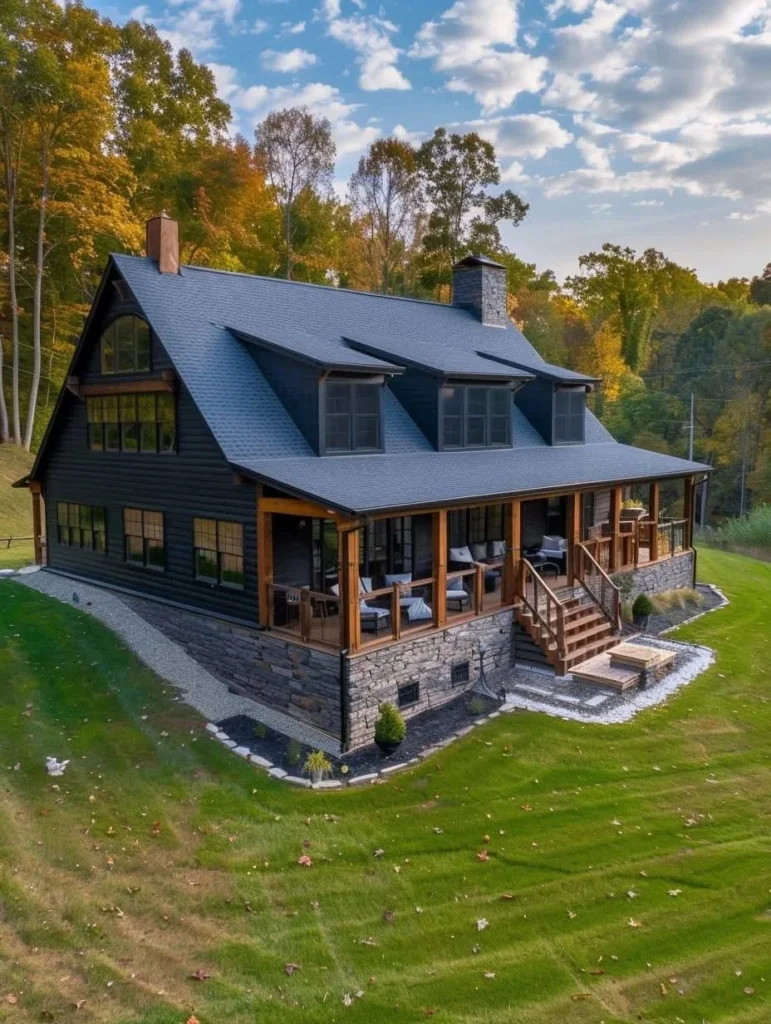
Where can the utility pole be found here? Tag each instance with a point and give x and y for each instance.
(690, 432)
(742, 497)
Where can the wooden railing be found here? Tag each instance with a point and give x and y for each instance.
(7, 541)
(600, 549)
(671, 537)
(598, 585)
(390, 598)
(305, 613)
(543, 604)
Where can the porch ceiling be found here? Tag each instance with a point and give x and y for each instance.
(362, 484)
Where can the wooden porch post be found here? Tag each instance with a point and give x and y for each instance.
(654, 510)
(616, 499)
(264, 562)
(348, 576)
(37, 520)
(689, 492)
(513, 539)
(439, 572)
(573, 534)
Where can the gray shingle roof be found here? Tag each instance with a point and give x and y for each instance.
(329, 353)
(441, 359)
(255, 432)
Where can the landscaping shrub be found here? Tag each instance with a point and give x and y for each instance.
(390, 726)
(683, 597)
(642, 606)
(752, 531)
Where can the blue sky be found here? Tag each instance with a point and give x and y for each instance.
(642, 122)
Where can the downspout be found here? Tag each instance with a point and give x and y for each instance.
(345, 737)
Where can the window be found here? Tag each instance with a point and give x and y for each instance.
(219, 552)
(126, 346)
(351, 416)
(385, 546)
(474, 525)
(409, 694)
(81, 526)
(144, 538)
(460, 673)
(475, 416)
(569, 405)
(132, 423)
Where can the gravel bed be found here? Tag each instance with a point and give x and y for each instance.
(429, 729)
(662, 622)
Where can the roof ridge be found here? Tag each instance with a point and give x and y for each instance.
(302, 284)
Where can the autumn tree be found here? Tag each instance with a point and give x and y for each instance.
(760, 288)
(385, 191)
(296, 152)
(457, 171)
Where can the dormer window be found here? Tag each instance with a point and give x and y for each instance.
(569, 415)
(475, 416)
(126, 346)
(352, 416)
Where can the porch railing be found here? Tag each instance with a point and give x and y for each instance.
(598, 585)
(408, 606)
(671, 537)
(546, 609)
(600, 550)
(306, 613)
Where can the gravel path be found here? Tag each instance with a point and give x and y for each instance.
(197, 687)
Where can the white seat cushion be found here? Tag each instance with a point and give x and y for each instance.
(370, 609)
(461, 555)
(479, 551)
(456, 585)
(365, 584)
(496, 548)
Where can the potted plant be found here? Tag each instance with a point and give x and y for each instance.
(642, 609)
(390, 729)
(317, 765)
(633, 509)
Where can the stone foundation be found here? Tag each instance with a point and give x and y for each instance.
(428, 661)
(302, 682)
(668, 574)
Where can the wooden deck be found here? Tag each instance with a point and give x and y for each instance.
(620, 667)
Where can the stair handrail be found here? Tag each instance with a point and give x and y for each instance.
(611, 609)
(526, 568)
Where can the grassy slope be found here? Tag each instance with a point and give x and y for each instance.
(15, 505)
(94, 905)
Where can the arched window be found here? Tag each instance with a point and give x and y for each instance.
(126, 346)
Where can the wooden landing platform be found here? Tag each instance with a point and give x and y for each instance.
(599, 669)
(638, 656)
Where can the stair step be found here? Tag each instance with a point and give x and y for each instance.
(585, 634)
(599, 669)
(582, 616)
(595, 647)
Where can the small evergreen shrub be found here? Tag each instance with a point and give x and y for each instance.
(642, 606)
(390, 726)
(294, 752)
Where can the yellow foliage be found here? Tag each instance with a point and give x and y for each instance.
(600, 356)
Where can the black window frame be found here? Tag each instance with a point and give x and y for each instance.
(460, 672)
(84, 534)
(110, 336)
(146, 562)
(220, 553)
(114, 434)
(353, 415)
(572, 420)
(408, 694)
(474, 428)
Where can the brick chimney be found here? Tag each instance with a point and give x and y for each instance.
(479, 285)
(162, 243)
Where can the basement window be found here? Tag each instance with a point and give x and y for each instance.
(409, 695)
(461, 673)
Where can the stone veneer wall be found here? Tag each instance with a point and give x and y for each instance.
(302, 682)
(376, 676)
(668, 574)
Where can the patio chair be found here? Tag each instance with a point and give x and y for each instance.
(457, 594)
(413, 608)
(372, 617)
(553, 549)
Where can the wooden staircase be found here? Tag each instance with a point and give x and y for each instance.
(575, 624)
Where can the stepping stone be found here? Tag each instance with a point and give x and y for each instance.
(278, 773)
(566, 698)
(393, 768)
(242, 751)
(596, 700)
(261, 761)
(326, 784)
(539, 691)
(494, 714)
(297, 781)
(359, 780)
(428, 752)
(505, 708)
(230, 744)
(211, 727)
(465, 731)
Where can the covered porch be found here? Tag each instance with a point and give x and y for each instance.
(355, 584)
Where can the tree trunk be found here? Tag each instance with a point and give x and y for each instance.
(288, 239)
(37, 300)
(10, 184)
(4, 435)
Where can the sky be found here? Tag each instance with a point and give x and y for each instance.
(640, 122)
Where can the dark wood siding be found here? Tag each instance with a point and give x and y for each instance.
(297, 385)
(196, 481)
(536, 401)
(419, 394)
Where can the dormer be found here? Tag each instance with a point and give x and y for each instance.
(333, 392)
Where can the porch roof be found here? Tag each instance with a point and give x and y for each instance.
(361, 484)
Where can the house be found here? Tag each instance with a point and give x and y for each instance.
(335, 498)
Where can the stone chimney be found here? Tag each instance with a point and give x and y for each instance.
(162, 243)
(479, 285)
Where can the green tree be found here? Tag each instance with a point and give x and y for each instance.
(760, 288)
(457, 171)
(297, 155)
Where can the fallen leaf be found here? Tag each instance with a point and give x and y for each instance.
(379, 853)
(156, 829)
(304, 861)
(506, 896)
(200, 975)
(483, 855)
(79, 1003)
(389, 917)
(11, 999)
(674, 892)
(634, 924)
(581, 995)
(597, 971)
(571, 914)
(291, 968)
(482, 923)
(192, 1020)
(490, 974)
(749, 991)
(663, 988)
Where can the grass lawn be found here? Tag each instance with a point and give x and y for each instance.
(15, 507)
(628, 879)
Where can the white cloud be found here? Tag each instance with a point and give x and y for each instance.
(521, 135)
(294, 29)
(649, 202)
(259, 25)
(378, 56)
(465, 42)
(287, 61)
(600, 207)
(594, 156)
(404, 135)
(742, 216)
